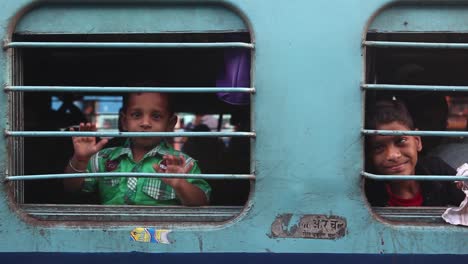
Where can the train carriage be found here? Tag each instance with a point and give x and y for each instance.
(296, 79)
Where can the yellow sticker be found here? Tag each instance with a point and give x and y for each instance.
(150, 235)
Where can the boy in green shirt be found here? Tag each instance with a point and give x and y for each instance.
(141, 112)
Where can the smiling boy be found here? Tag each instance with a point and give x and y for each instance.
(395, 154)
(398, 155)
(141, 112)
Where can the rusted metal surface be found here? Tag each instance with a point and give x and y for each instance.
(309, 226)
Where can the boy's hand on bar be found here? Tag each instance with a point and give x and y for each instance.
(173, 164)
(85, 147)
(189, 194)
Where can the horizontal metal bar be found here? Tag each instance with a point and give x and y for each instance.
(419, 215)
(415, 133)
(115, 209)
(129, 45)
(106, 114)
(403, 217)
(399, 87)
(131, 174)
(419, 45)
(100, 213)
(124, 134)
(129, 89)
(143, 214)
(413, 177)
(413, 210)
(101, 219)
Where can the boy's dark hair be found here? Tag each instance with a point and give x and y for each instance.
(388, 111)
(170, 102)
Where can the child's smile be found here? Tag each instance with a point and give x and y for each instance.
(395, 154)
(397, 168)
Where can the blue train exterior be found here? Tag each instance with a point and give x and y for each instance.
(308, 64)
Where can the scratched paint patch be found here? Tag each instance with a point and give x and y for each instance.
(308, 226)
(150, 235)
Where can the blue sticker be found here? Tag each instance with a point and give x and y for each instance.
(150, 235)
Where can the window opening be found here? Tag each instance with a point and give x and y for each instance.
(407, 74)
(58, 111)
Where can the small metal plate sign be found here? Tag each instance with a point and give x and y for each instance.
(308, 226)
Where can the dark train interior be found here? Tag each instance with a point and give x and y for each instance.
(127, 68)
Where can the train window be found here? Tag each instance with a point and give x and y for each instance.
(59, 80)
(410, 78)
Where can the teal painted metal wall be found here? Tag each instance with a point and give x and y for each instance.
(307, 70)
(132, 18)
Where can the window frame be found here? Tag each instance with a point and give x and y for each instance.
(426, 215)
(59, 213)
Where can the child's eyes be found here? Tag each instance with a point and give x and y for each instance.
(135, 114)
(378, 148)
(138, 114)
(401, 140)
(156, 116)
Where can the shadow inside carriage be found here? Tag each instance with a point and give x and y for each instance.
(49, 155)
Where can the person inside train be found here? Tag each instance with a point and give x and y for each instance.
(142, 112)
(399, 155)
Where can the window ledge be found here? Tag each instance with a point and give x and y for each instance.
(118, 213)
(432, 215)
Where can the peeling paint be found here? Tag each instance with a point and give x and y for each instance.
(308, 226)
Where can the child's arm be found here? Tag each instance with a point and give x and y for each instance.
(188, 193)
(84, 149)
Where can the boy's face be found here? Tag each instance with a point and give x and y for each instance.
(394, 154)
(148, 112)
